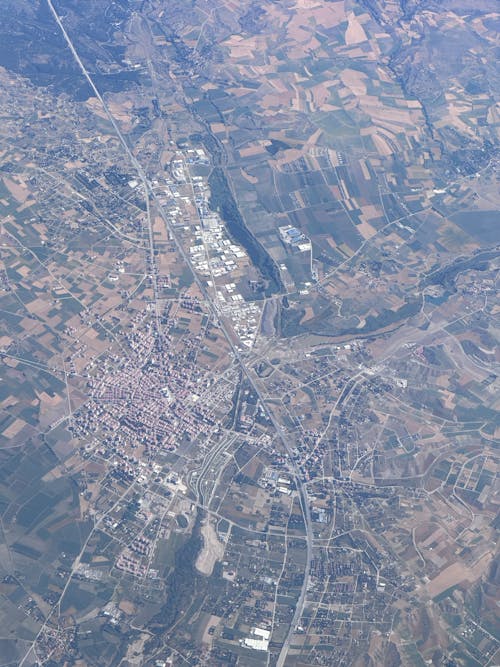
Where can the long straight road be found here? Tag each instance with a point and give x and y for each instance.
(151, 195)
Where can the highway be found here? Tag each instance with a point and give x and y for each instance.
(151, 195)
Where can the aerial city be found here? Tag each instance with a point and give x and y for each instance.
(249, 325)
